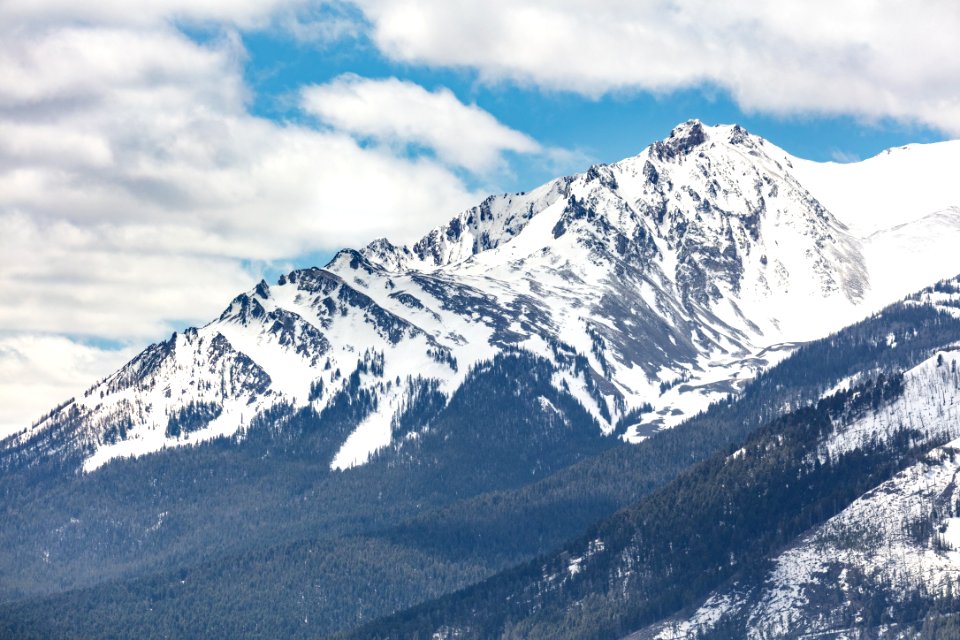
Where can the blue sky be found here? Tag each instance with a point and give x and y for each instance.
(158, 158)
(602, 128)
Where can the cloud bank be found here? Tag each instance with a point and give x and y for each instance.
(871, 59)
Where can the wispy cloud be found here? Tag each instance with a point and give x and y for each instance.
(838, 155)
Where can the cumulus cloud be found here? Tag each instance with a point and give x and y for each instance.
(872, 59)
(401, 113)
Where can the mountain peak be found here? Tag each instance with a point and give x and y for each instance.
(499, 219)
(693, 134)
(691, 130)
(683, 139)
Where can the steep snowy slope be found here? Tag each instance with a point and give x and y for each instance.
(896, 187)
(678, 274)
(902, 206)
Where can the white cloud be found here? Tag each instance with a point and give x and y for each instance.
(52, 367)
(63, 278)
(127, 156)
(322, 24)
(401, 113)
(238, 13)
(871, 59)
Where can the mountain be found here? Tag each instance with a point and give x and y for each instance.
(836, 518)
(539, 363)
(677, 274)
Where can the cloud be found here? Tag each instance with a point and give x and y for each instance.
(875, 59)
(127, 156)
(402, 114)
(322, 24)
(37, 366)
(63, 278)
(839, 155)
(238, 13)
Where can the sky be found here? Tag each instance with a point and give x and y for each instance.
(158, 158)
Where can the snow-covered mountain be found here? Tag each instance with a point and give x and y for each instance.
(677, 274)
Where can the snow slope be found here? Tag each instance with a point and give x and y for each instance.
(895, 187)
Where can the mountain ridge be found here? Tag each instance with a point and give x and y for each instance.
(704, 244)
